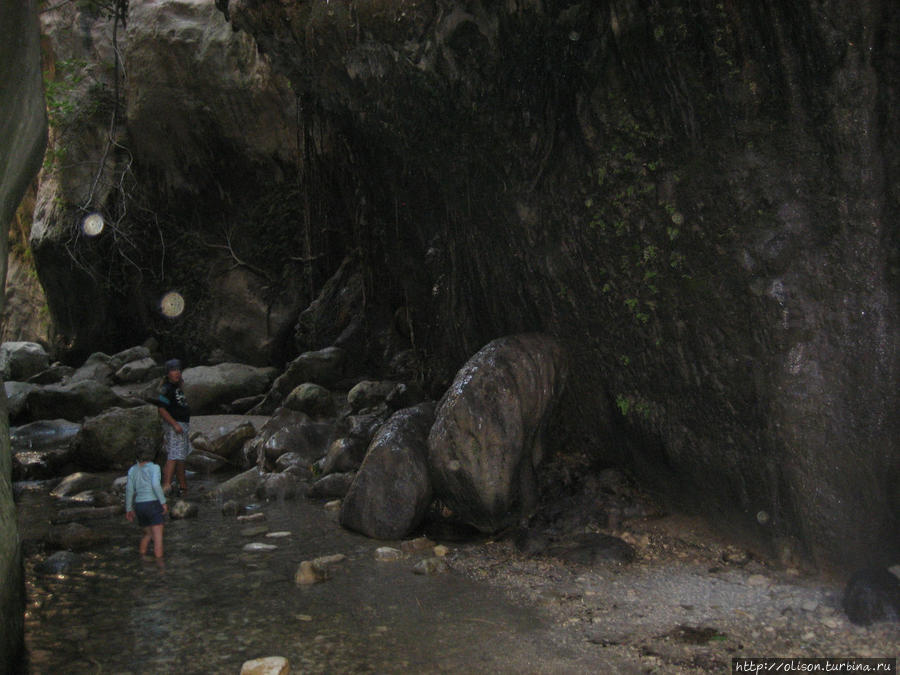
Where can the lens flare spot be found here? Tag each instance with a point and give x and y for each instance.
(172, 304)
(92, 225)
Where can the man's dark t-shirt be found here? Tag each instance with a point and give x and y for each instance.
(172, 398)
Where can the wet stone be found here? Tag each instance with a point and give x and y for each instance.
(388, 554)
(252, 517)
(59, 562)
(257, 546)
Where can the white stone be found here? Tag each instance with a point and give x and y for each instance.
(268, 665)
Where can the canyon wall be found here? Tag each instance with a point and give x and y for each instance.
(700, 199)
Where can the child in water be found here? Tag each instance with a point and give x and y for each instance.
(144, 498)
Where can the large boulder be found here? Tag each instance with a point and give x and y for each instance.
(98, 367)
(208, 388)
(73, 401)
(109, 440)
(487, 436)
(391, 492)
(21, 360)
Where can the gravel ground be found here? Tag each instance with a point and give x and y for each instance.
(689, 603)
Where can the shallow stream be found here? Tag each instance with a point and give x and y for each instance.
(211, 606)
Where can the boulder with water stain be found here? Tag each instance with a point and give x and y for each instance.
(486, 441)
(391, 492)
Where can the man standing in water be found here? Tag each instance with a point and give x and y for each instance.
(176, 415)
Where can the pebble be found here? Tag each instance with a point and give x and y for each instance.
(810, 605)
(386, 553)
(440, 550)
(259, 546)
(333, 505)
(259, 515)
(430, 566)
(310, 573)
(278, 535)
(757, 580)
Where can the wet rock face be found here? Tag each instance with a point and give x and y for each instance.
(702, 200)
(486, 441)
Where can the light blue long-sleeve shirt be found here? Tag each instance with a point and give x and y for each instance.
(143, 485)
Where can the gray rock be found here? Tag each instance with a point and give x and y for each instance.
(344, 454)
(78, 482)
(332, 486)
(290, 431)
(21, 360)
(208, 388)
(59, 562)
(16, 395)
(139, 371)
(57, 373)
(108, 441)
(312, 399)
(369, 394)
(97, 368)
(131, 355)
(43, 434)
(241, 486)
(324, 367)
(73, 401)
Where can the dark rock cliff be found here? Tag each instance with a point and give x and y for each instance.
(699, 197)
(23, 137)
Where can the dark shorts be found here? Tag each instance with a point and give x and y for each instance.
(149, 513)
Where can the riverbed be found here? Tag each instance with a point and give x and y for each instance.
(210, 605)
(690, 602)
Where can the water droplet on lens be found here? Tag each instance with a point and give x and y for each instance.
(172, 304)
(762, 517)
(92, 225)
